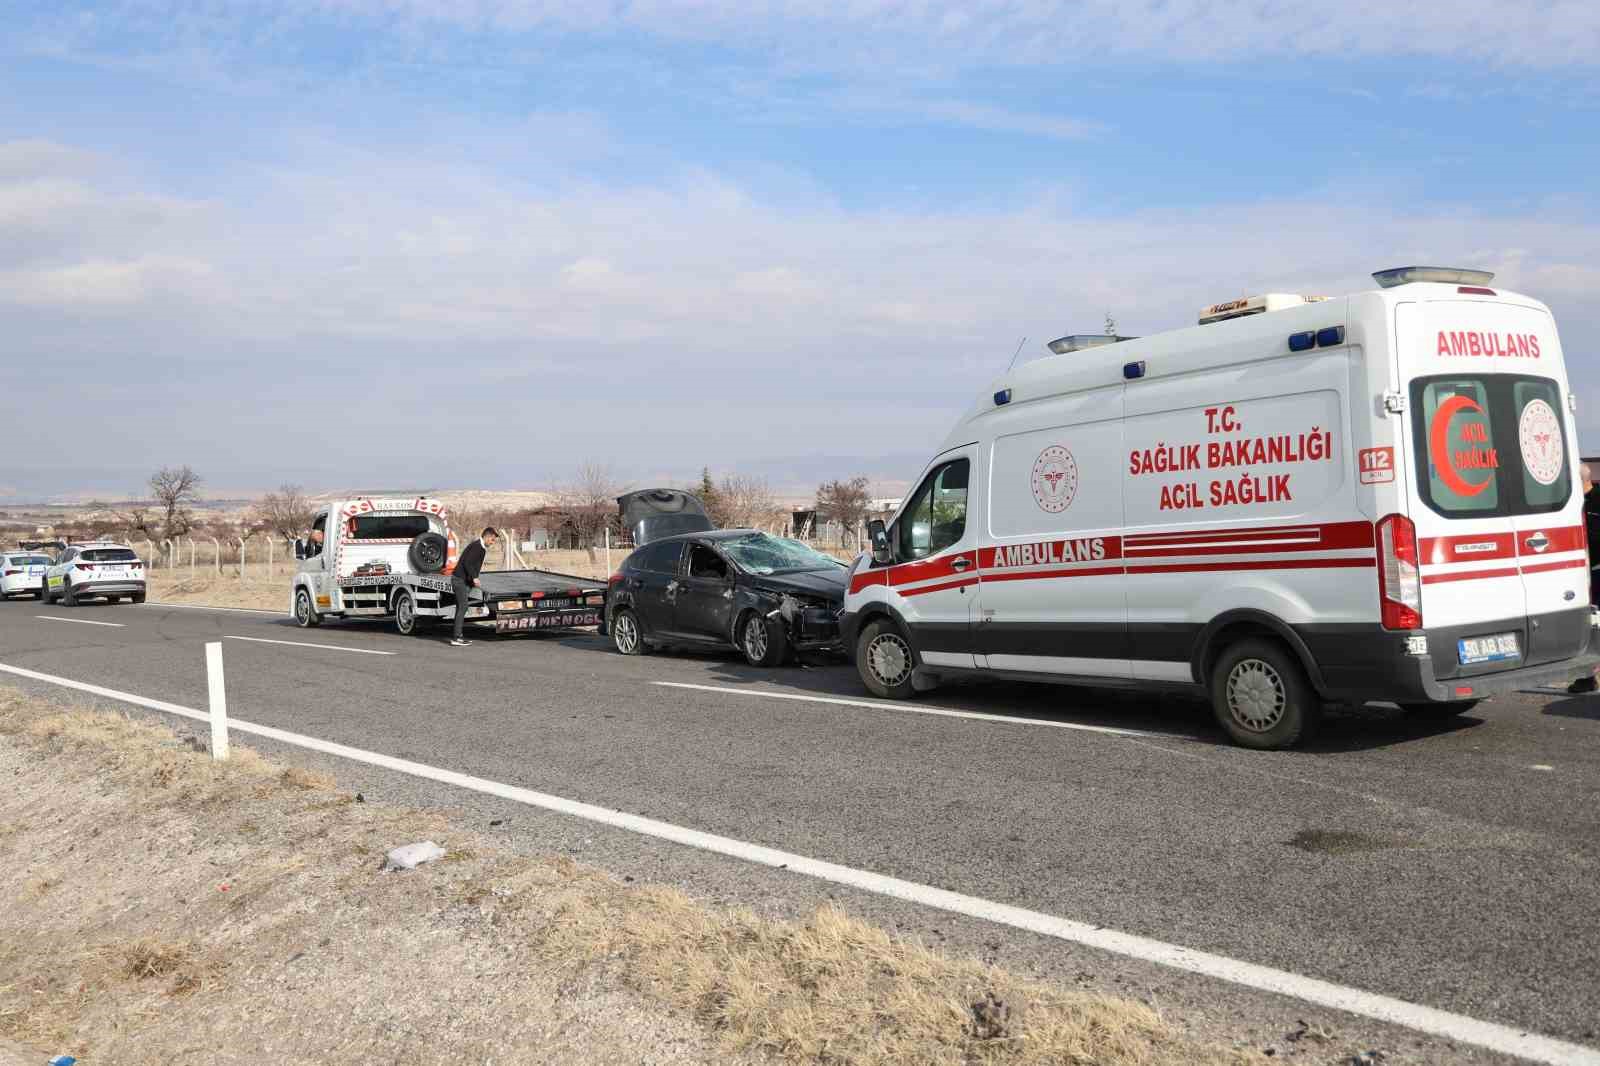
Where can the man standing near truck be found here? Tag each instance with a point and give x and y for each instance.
(465, 579)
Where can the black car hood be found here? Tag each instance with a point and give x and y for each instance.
(829, 584)
(651, 514)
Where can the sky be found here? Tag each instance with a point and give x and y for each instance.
(477, 243)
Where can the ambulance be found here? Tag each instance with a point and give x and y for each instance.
(1300, 501)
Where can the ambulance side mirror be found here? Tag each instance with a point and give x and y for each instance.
(882, 550)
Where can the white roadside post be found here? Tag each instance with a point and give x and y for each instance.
(219, 701)
(608, 551)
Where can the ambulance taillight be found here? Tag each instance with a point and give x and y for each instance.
(1399, 573)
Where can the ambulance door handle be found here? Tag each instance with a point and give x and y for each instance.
(961, 563)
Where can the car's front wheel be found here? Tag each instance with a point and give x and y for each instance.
(885, 660)
(69, 598)
(626, 636)
(762, 640)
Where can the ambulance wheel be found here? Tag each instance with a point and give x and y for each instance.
(762, 641)
(885, 660)
(305, 615)
(1261, 697)
(68, 597)
(138, 597)
(626, 636)
(1447, 709)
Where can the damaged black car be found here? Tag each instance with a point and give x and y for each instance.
(689, 584)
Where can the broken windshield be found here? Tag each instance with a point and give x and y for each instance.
(762, 553)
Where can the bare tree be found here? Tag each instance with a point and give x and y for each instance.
(138, 519)
(745, 502)
(845, 502)
(176, 490)
(588, 502)
(287, 512)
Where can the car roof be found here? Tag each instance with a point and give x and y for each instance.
(101, 544)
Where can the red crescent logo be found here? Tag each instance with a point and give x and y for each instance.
(1439, 447)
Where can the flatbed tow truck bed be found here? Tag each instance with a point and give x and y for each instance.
(514, 600)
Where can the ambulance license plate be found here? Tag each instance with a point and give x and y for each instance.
(1498, 648)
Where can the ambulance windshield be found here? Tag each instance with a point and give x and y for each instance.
(1490, 445)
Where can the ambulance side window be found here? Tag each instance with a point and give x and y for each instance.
(936, 518)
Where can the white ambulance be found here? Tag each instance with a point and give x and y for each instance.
(1299, 501)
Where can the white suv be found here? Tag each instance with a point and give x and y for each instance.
(22, 574)
(101, 569)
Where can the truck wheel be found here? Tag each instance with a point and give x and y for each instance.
(885, 660)
(1261, 697)
(763, 642)
(305, 615)
(428, 553)
(405, 614)
(1448, 709)
(626, 636)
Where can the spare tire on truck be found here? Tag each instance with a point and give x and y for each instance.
(428, 552)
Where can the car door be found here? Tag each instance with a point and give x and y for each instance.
(319, 565)
(654, 584)
(703, 604)
(56, 576)
(934, 577)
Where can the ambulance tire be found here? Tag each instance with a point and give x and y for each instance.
(68, 597)
(885, 660)
(1447, 709)
(428, 553)
(1261, 697)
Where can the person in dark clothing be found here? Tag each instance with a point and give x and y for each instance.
(465, 579)
(1591, 525)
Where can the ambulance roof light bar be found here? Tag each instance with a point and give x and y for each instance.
(1255, 305)
(1077, 342)
(1388, 279)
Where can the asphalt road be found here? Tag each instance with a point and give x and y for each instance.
(1448, 864)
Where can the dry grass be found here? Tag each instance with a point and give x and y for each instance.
(154, 895)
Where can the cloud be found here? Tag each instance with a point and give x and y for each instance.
(363, 298)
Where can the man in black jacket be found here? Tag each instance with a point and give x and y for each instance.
(465, 579)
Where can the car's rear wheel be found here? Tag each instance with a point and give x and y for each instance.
(305, 614)
(626, 636)
(763, 641)
(1261, 697)
(885, 660)
(138, 597)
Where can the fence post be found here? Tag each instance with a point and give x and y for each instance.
(608, 551)
(219, 701)
(191, 558)
(241, 560)
(216, 554)
(271, 571)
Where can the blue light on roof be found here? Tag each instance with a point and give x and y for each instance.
(1133, 371)
(1002, 397)
(1303, 342)
(1330, 336)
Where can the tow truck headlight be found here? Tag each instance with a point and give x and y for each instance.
(511, 605)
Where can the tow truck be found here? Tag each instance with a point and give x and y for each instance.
(390, 558)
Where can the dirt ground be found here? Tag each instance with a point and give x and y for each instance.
(164, 908)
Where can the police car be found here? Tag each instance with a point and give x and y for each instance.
(1297, 501)
(22, 574)
(103, 569)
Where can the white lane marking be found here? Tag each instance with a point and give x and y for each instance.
(304, 644)
(202, 607)
(80, 621)
(1451, 1026)
(911, 708)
